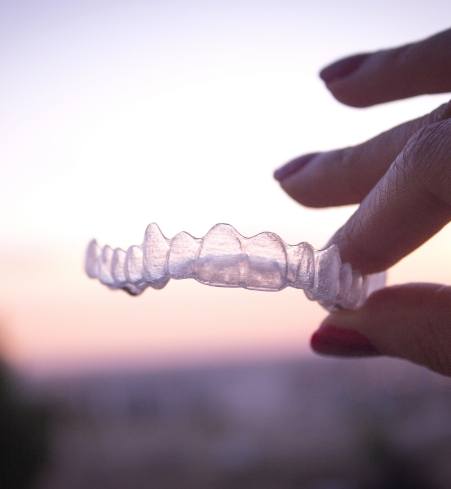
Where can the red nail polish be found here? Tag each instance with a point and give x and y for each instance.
(342, 68)
(293, 166)
(331, 340)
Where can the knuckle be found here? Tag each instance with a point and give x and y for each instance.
(441, 113)
(427, 156)
(423, 145)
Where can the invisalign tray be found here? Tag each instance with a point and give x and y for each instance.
(224, 258)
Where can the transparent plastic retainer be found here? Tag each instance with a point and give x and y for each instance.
(224, 258)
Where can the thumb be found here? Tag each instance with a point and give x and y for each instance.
(410, 321)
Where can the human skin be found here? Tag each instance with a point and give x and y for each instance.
(402, 181)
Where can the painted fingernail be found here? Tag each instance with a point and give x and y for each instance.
(332, 340)
(293, 166)
(342, 68)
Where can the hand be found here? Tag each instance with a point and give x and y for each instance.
(402, 180)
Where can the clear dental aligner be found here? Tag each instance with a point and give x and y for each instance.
(224, 258)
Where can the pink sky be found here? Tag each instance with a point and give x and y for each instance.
(117, 116)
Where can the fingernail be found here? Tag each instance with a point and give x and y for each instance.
(292, 166)
(342, 68)
(342, 342)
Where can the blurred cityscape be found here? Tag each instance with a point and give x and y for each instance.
(311, 423)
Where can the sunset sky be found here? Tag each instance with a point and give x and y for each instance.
(117, 114)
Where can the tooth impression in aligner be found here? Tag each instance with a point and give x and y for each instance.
(224, 258)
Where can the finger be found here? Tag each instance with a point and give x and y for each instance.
(410, 321)
(345, 176)
(410, 203)
(392, 74)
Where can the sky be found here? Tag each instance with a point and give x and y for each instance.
(116, 114)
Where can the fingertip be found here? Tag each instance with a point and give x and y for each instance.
(343, 342)
(359, 81)
(342, 68)
(357, 94)
(344, 91)
(292, 167)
